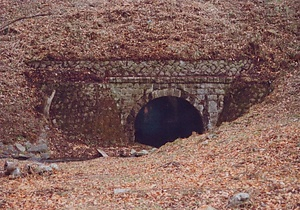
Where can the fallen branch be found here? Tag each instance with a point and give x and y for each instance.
(48, 104)
(3, 27)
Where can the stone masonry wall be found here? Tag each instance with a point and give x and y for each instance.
(122, 71)
(86, 112)
(131, 84)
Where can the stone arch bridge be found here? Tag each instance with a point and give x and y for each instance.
(123, 87)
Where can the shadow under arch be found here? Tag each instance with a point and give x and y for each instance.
(166, 118)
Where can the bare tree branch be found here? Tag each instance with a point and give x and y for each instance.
(22, 18)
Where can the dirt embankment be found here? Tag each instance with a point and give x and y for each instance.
(258, 153)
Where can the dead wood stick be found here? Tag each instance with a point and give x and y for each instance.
(23, 18)
(48, 104)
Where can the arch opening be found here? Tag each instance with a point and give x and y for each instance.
(165, 119)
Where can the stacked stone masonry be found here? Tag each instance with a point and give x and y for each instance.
(132, 84)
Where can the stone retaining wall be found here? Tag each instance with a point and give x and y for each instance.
(120, 70)
(81, 107)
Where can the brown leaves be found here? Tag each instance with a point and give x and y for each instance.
(257, 154)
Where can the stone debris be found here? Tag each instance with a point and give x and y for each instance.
(16, 173)
(120, 190)
(20, 147)
(134, 153)
(206, 142)
(26, 150)
(7, 150)
(153, 150)
(239, 200)
(45, 155)
(40, 168)
(54, 166)
(141, 153)
(40, 148)
(12, 169)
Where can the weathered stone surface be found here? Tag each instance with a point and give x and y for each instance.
(132, 152)
(239, 200)
(119, 190)
(23, 156)
(54, 166)
(20, 147)
(45, 155)
(79, 109)
(143, 68)
(27, 145)
(153, 150)
(10, 166)
(212, 107)
(39, 168)
(11, 169)
(41, 148)
(16, 173)
(9, 150)
(141, 153)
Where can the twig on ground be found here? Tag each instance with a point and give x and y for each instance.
(3, 27)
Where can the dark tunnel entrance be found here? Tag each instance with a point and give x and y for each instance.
(165, 119)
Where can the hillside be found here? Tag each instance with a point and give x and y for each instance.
(257, 153)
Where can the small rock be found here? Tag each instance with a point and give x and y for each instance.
(132, 152)
(9, 150)
(16, 173)
(20, 147)
(153, 150)
(43, 135)
(239, 199)
(38, 168)
(39, 148)
(9, 167)
(141, 153)
(44, 169)
(45, 156)
(28, 145)
(119, 190)
(212, 136)
(34, 158)
(204, 142)
(54, 166)
(22, 156)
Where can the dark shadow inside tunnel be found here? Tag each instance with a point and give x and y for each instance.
(165, 119)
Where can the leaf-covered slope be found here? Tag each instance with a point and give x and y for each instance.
(257, 154)
(163, 29)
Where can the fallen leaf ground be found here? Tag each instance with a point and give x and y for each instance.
(258, 153)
